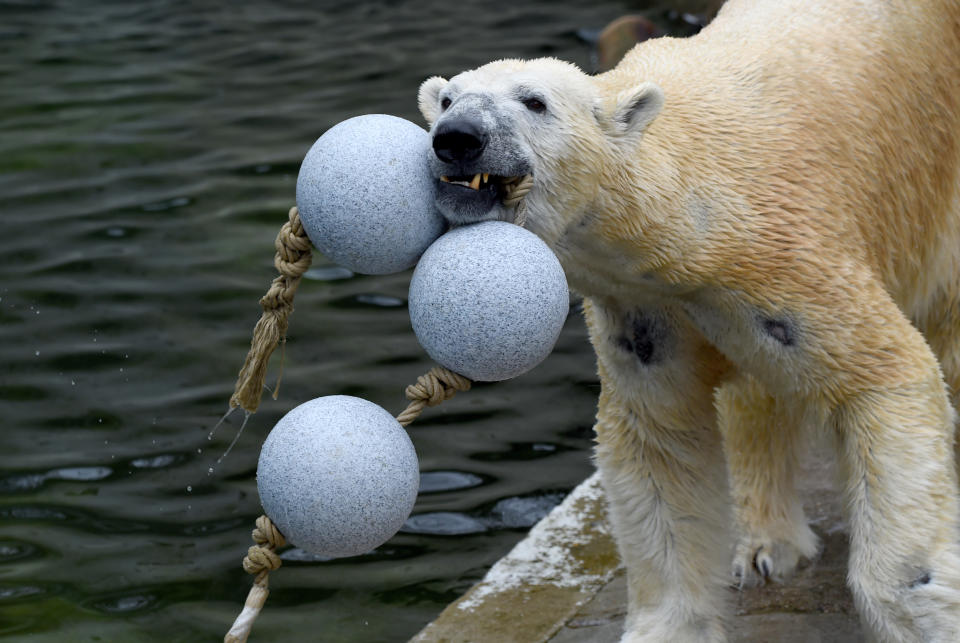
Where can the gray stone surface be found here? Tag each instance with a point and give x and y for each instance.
(814, 606)
(488, 300)
(366, 196)
(338, 476)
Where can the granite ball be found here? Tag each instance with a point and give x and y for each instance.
(488, 300)
(338, 476)
(366, 196)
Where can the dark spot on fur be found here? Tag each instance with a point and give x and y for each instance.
(645, 336)
(922, 580)
(780, 330)
(644, 333)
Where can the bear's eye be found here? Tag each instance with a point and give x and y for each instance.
(445, 103)
(534, 105)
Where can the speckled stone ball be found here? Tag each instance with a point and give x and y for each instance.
(338, 476)
(488, 300)
(366, 196)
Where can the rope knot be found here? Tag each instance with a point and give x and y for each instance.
(260, 559)
(430, 390)
(266, 533)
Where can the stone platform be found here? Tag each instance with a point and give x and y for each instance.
(564, 584)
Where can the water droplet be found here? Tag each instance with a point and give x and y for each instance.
(219, 422)
(73, 383)
(243, 425)
(210, 471)
(37, 353)
(189, 488)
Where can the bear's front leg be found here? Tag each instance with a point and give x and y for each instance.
(661, 461)
(763, 440)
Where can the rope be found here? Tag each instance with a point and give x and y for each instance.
(516, 191)
(292, 260)
(432, 388)
(260, 560)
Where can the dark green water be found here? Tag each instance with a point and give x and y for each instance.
(148, 156)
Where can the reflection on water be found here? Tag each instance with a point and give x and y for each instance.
(148, 156)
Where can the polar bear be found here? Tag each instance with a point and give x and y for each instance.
(764, 222)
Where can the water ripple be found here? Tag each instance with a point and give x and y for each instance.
(438, 481)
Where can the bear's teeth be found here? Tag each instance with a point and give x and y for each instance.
(444, 179)
(475, 183)
(486, 177)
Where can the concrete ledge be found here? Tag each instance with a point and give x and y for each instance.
(529, 594)
(563, 583)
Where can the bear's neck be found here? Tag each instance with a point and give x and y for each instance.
(643, 234)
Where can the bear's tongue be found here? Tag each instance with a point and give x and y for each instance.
(466, 181)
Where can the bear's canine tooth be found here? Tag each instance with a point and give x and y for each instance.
(486, 177)
(444, 179)
(475, 183)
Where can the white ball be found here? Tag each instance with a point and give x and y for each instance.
(366, 196)
(488, 300)
(338, 476)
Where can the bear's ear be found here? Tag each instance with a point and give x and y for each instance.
(429, 98)
(635, 109)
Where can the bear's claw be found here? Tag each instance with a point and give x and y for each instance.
(758, 560)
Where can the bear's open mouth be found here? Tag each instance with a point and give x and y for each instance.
(479, 181)
(468, 198)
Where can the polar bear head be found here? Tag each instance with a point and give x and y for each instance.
(541, 117)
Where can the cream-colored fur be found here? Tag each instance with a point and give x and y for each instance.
(764, 221)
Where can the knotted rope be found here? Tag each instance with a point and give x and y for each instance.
(261, 559)
(439, 384)
(430, 390)
(292, 260)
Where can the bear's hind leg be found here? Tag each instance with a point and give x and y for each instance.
(940, 325)
(762, 441)
(896, 456)
(661, 461)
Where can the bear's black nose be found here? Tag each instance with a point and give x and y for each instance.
(458, 140)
